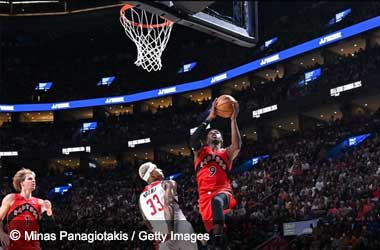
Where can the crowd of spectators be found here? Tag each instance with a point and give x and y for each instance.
(296, 183)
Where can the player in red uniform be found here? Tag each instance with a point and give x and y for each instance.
(212, 163)
(23, 212)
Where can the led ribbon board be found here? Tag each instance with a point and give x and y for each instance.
(187, 67)
(132, 144)
(8, 153)
(44, 86)
(336, 91)
(346, 144)
(173, 176)
(89, 126)
(67, 151)
(299, 227)
(204, 83)
(60, 190)
(339, 17)
(310, 76)
(268, 43)
(250, 163)
(106, 81)
(259, 112)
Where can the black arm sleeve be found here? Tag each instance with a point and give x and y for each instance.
(195, 138)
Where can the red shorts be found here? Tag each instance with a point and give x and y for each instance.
(205, 208)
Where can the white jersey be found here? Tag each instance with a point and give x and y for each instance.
(152, 201)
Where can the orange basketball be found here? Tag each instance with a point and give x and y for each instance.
(223, 106)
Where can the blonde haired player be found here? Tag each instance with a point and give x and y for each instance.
(23, 212)
(160, 210)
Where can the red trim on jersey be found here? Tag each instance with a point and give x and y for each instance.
(151, 185)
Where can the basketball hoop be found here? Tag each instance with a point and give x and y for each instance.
(149, 32)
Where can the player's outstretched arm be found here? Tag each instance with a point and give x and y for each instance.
(195, 139)
(5, 205)
(169, 203)
(234, 148)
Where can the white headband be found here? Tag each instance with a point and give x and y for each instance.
(147, 173)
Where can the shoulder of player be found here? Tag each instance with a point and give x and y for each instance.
(168, 183)
(224, 149)
(9, 198)
(40, 201)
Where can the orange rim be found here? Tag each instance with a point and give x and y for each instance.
(145, 26)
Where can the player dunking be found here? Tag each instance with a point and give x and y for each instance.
(160, 210)
(212, 163)
(23, 212)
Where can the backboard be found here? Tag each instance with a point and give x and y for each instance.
(233, 21)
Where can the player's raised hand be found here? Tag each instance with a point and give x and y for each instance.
(235, 110)
(212, 114)
(47, 207)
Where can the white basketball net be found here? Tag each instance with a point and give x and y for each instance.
(150, 33)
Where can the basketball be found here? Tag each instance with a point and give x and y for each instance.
(223, 106)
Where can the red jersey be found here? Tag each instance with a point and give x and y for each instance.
(211, 169)
(23, 216)
(212, 178)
